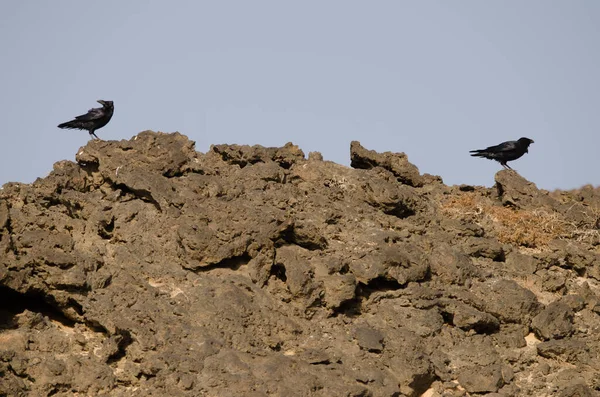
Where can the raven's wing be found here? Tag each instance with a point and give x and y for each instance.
(502, 148)
(92, 114)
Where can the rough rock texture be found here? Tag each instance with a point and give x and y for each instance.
(146, 268)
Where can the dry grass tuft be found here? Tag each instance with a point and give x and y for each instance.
(526, 228)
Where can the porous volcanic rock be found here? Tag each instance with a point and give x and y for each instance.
(146, 268)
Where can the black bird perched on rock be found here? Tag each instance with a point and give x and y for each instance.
(93, 120)
(506, 151)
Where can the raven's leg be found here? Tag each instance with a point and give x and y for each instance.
(93, 134)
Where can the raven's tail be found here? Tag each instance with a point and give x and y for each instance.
(69, 124)
(478, 153)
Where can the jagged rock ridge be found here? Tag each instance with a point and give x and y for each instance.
(147, 268)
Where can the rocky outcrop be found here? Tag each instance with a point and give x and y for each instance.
(146, 268)
(396, 163)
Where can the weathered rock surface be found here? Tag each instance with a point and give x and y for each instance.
(396, 163)
(516, 191)
(554, 322)
(146, 268)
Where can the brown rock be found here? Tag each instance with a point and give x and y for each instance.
(369, 338)
(481, 379)
(339, 289)
(451, 265)
(574, 301)
(516, 191)
(396, 163)
(507, 301)
(402, 264)
(578, 390)
(521, 264)
(467, 317)
(571, 350)
(554, 322)
(146, 267)
(553, 279)
(315, 156)
(484, 248)
(248, 155)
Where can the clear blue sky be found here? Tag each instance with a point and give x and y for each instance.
(433, 79)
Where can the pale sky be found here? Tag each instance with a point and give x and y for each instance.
(433, 79)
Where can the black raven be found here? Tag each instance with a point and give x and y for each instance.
(93, 120)
(506, 151)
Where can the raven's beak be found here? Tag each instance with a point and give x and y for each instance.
(101, 102)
